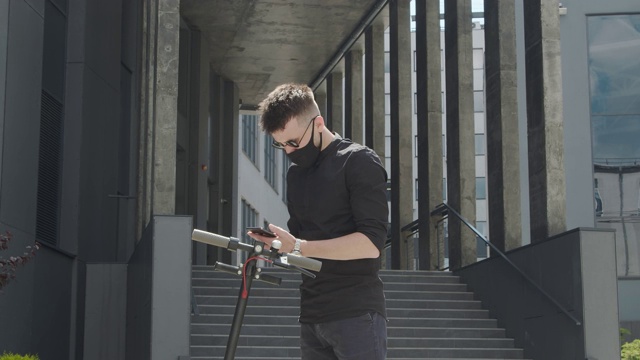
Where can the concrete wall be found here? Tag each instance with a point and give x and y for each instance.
(159, 291)
(577, 268)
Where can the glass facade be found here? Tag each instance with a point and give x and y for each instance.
(614, 76)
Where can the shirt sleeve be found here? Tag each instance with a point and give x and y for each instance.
(367, 183)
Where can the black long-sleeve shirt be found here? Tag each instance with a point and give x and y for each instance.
(345, 192)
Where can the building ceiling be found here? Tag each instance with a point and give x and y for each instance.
(260, 44)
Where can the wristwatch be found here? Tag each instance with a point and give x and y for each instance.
(296, 247)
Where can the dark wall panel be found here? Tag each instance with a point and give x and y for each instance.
(20, 134)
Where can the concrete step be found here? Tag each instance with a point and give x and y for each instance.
(442, 323)
(452, 332)
(292, 284)
(416, 277)
(275, 291)
(431, 315)
(289, 300)
(428, 295)
(268, 339)
(257, 308)
(298, 358)
(392, 353)
(256, 329)
(293, 329)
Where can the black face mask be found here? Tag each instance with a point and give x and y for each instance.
(308, 155)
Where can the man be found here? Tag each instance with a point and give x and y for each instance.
(336, 197)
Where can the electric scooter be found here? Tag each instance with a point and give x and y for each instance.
(250, 272)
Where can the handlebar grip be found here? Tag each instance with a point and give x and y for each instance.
(210, 238)
(230, 269)
(304, 262)
(269, 279)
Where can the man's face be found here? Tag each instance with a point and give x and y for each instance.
(294, 136)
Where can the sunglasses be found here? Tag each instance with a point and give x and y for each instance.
(293, 143)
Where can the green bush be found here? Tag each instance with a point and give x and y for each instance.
(630, 350)
(10, 356)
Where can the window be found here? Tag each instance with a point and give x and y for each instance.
(414, 61)
(444, 145)
(480, 142)
(249, 218)
(478, 79)
(614, 90)
(481, 188)
(387, 62)
(478, 101)
(444, 189)
(478, 58)
(416, 189)
(250, 137)
(270, 162)
(481, 246)
(387, 104)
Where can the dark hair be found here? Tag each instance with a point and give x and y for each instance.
(284, 103)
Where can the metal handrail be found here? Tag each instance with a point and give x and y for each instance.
(443, 210)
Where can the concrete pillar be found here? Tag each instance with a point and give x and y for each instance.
(503, 150)
(374, 116)
(429, 107)
(544, 119)
(230, 128)
(200, 254)
(160, 43)
(353, 96)
(334, 102)
(460, 130)
(374, 89)
(401, 134)
(215, 178)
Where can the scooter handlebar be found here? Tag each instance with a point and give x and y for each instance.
(210, 238)
(223, 242)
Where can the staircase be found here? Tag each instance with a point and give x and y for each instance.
(431, 316)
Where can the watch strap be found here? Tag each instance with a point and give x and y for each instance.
(296, 247)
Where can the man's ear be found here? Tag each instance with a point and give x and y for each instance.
(318, 123)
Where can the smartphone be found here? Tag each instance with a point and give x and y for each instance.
(261, 231)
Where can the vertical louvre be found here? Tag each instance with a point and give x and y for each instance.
(49, 168)
(270, 161)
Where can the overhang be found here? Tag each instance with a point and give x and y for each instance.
(259, 44)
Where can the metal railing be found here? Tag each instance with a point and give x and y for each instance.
(443, 210)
